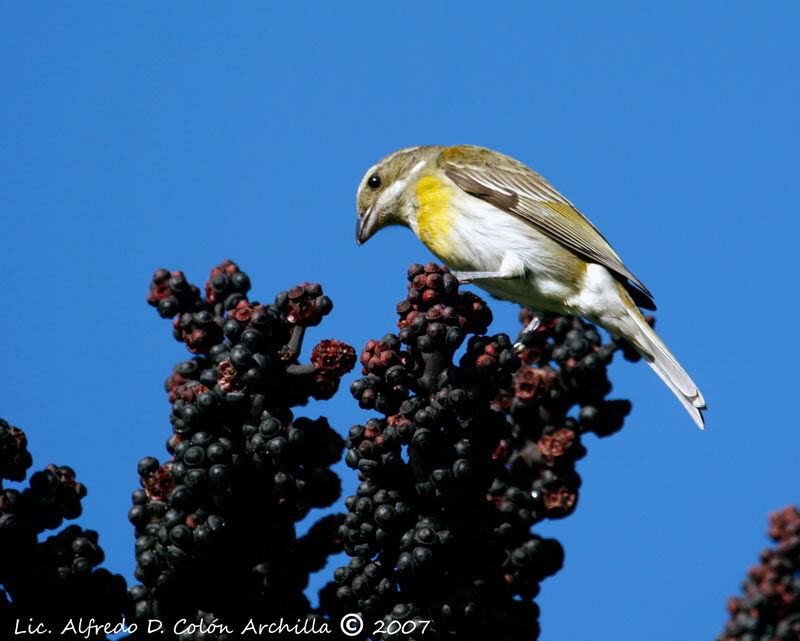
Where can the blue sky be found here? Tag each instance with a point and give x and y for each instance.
(136, 136)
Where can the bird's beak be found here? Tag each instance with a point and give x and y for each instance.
(367, 225)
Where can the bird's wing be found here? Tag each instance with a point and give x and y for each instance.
(518, 190)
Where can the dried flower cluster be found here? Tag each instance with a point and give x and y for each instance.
(473, 443)
(215, 524)
(56, 579)
(769, 609)
(467, 455)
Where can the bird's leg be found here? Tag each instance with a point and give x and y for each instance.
(531, 327)
(467, 277)
(511, 268)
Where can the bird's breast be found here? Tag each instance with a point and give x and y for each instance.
(469, 234)
(435, 215)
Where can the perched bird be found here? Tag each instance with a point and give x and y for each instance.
(496, 222)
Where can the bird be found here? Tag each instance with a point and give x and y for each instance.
(500, 225)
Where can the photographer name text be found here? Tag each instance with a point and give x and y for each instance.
(88, 628)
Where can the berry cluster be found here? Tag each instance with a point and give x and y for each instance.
(465, 459)
(14, 456)
(55, 580)
(769, 610)
(221, 511)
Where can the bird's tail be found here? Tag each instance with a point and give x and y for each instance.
(649, 345)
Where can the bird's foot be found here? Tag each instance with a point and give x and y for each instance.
(519, 347)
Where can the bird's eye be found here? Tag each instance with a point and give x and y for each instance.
(374, 181)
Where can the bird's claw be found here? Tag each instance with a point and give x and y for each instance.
(519, 346)
(534, 324)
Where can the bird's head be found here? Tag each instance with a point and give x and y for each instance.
(385, 195)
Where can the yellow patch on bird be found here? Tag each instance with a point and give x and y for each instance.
(434, 214)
